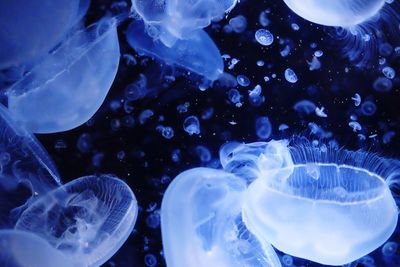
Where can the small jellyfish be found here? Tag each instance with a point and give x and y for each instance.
(24, 249)
(66, 88)
(87, 219)
(30, 29)
(290, 76)
(264, 37)
(197, 52)
(263, 127)
(319, 203)
(305, 107)
(201, 223)
(191, 125)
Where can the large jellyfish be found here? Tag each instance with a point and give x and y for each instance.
(197, 53)
(26, 169)
(24, 249)
(175, 26)
(30, 29)
(70, 84)
(322, 204)
(360, 25)
(87, 219)
(341, 13)
(202, 225)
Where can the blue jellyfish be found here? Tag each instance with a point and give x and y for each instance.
(68, 86)
(360, 25)
(24, 249)
(319, 203)
(197, 53)
(27, 172)
(30, 29)
(87, 219)
(202, 225)
(340, 13)
(172, 32)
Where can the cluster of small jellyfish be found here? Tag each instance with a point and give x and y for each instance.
(311, 201)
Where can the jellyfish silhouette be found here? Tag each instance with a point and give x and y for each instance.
(319, 203)
(30, 29)
(24, 249)
(175, 27)
(202, 225)
(69, 85)
(360, 25)
(27, 172)
(87, 219)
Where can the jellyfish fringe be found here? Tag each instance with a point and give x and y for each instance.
(360, 44)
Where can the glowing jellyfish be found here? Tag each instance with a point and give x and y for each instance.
(179, 18)
(319, 203)
(27, 171)
(24, 249)
(202, 225)
(197, 53)
(341, 13)
(69, 85)
(30, 29)
(88, 219)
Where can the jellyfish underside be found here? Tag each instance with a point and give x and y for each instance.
(197, 53)
(89, 218)
(324, 212)
(24, 249)
(44, 25)
(68, 86)
(340, 13)
(202, 225)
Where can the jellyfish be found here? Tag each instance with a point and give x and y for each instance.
(197, 53)
(317, 202)
(360, 25)
(24, 249)
(340, 13)
(172, 31)
(201, 223)
(69, 85)
(30, 29)
(87, 219)
(27, 172)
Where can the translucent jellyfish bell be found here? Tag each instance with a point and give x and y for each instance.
(341, 13)
(202, 225)
(329, 206)
(68, 86)
(88, 219)
(24, 249)
(197, 53)
(30, 29)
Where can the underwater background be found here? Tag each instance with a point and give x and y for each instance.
(126, 136)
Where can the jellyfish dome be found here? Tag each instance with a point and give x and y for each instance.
(30, 29)
(87, 219)
(201, 223)
(24, 249)
(340, 13)
(322, 204)
(66, 89)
